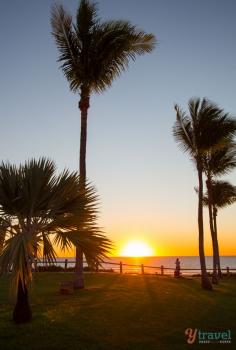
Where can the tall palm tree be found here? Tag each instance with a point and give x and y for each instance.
(39, 210)
(93, 53)
(216, 163)
(222, 194)
(205, 127)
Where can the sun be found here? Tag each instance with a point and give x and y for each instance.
(136, 249)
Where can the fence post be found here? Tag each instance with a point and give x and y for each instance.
(66, 264)
(162, 270)
(121, 267)
(142, 269)
(227, 268)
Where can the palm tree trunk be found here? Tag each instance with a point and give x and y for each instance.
(22, 312)
(216, 242)
(83, 106)
(206, 284)
(79, 275)
(214, 275)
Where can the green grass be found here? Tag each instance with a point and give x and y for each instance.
(118, 312)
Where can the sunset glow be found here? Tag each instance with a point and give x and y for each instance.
(137, 248)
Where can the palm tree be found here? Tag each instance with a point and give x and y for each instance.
(204, 128)
(216, 163)
(222, 194)
(39, 210)
(93, 53)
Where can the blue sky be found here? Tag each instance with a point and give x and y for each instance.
(144, 181)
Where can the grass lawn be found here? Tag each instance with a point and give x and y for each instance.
(118, 312)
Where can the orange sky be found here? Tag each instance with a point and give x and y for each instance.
(178, 242)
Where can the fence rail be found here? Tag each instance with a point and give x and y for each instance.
(139, 268)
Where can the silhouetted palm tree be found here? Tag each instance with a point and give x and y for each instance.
(217, 163)
(39, 210)
(204, 128)
(93, 54)
(222, 194)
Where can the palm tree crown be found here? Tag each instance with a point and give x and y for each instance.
(220, 161)
(223, 194)
(206, 128)
(39, 209)
(93, 53)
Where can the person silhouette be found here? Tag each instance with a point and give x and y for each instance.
(177, 268)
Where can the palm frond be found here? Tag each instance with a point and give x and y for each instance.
(4, 226)
(183, 132)
(67, 44)
(39, 209)
(86, 18)
(214, 128)
(48, 251)
(16, 256)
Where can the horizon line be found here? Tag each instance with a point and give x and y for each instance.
(155, 256)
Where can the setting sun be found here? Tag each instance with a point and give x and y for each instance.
(137, 248)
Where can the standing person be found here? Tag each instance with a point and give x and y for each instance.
(177, 269)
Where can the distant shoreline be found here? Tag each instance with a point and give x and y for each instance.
(154, 256)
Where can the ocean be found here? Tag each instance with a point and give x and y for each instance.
(152, 264)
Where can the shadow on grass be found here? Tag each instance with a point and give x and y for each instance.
(118, 312)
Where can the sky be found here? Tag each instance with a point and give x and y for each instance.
(145, 183)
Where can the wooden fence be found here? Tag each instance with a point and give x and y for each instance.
(135, 268)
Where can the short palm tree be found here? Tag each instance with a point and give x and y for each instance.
(222, 194)
(205, 127)
(38, 210)
(217, 163)
(93, 53)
